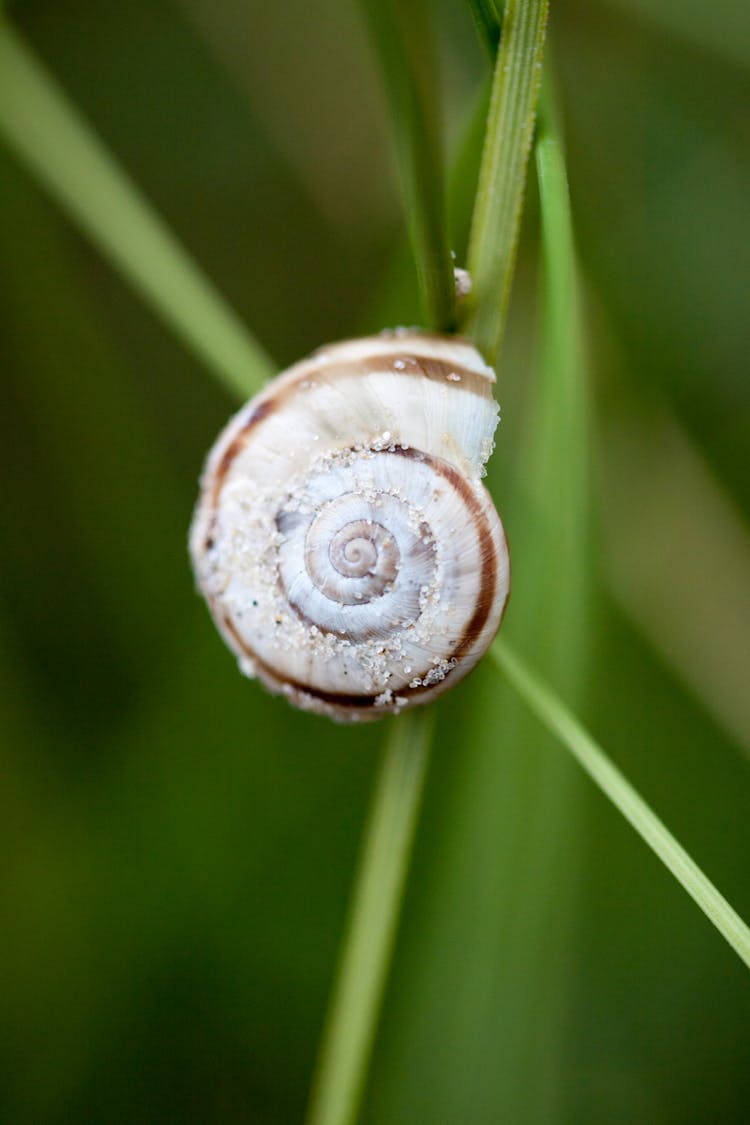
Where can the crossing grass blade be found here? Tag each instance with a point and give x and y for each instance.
(52, 139)
(562, 723)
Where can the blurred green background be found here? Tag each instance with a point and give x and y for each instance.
(176, 847)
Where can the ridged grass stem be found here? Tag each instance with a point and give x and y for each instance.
(496, 221)
(368, 941)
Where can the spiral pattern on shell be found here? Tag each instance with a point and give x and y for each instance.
(349, 553)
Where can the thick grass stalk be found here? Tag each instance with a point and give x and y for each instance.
(561, 722)
(58, 146)
(402, 33)
(368, 941)
(497, 213)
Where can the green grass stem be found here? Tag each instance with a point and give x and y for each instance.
(556, 717)
(402, 33)
(58, 146)
(368, 942)
(563, 338)
(497, 214)
(554, 461)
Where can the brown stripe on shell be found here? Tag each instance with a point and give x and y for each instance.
(488, 553)
(238, 442)
(335, 698)
(235, 447)
(427, 366)
(407, 363)
(411, 364)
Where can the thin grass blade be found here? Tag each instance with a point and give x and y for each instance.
(562, 723)
(402, 33)
(368, 942)
(487, 20)
(54, 142)
(549, 514)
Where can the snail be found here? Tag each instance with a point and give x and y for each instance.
(348, 551)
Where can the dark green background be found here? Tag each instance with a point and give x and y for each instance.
(175, 846)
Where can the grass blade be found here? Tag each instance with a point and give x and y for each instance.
(550, 514)
(487, 21)
(562, 723)
(368, 942)
(497, 213)
(500, 881)
(403, 36)
(49, 136)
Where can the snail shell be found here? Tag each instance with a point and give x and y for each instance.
(348, 551)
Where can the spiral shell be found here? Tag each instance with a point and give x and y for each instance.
(348, 551)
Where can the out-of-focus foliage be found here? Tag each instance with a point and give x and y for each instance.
(176, 846)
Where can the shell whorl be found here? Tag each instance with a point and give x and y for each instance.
(348, 551)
